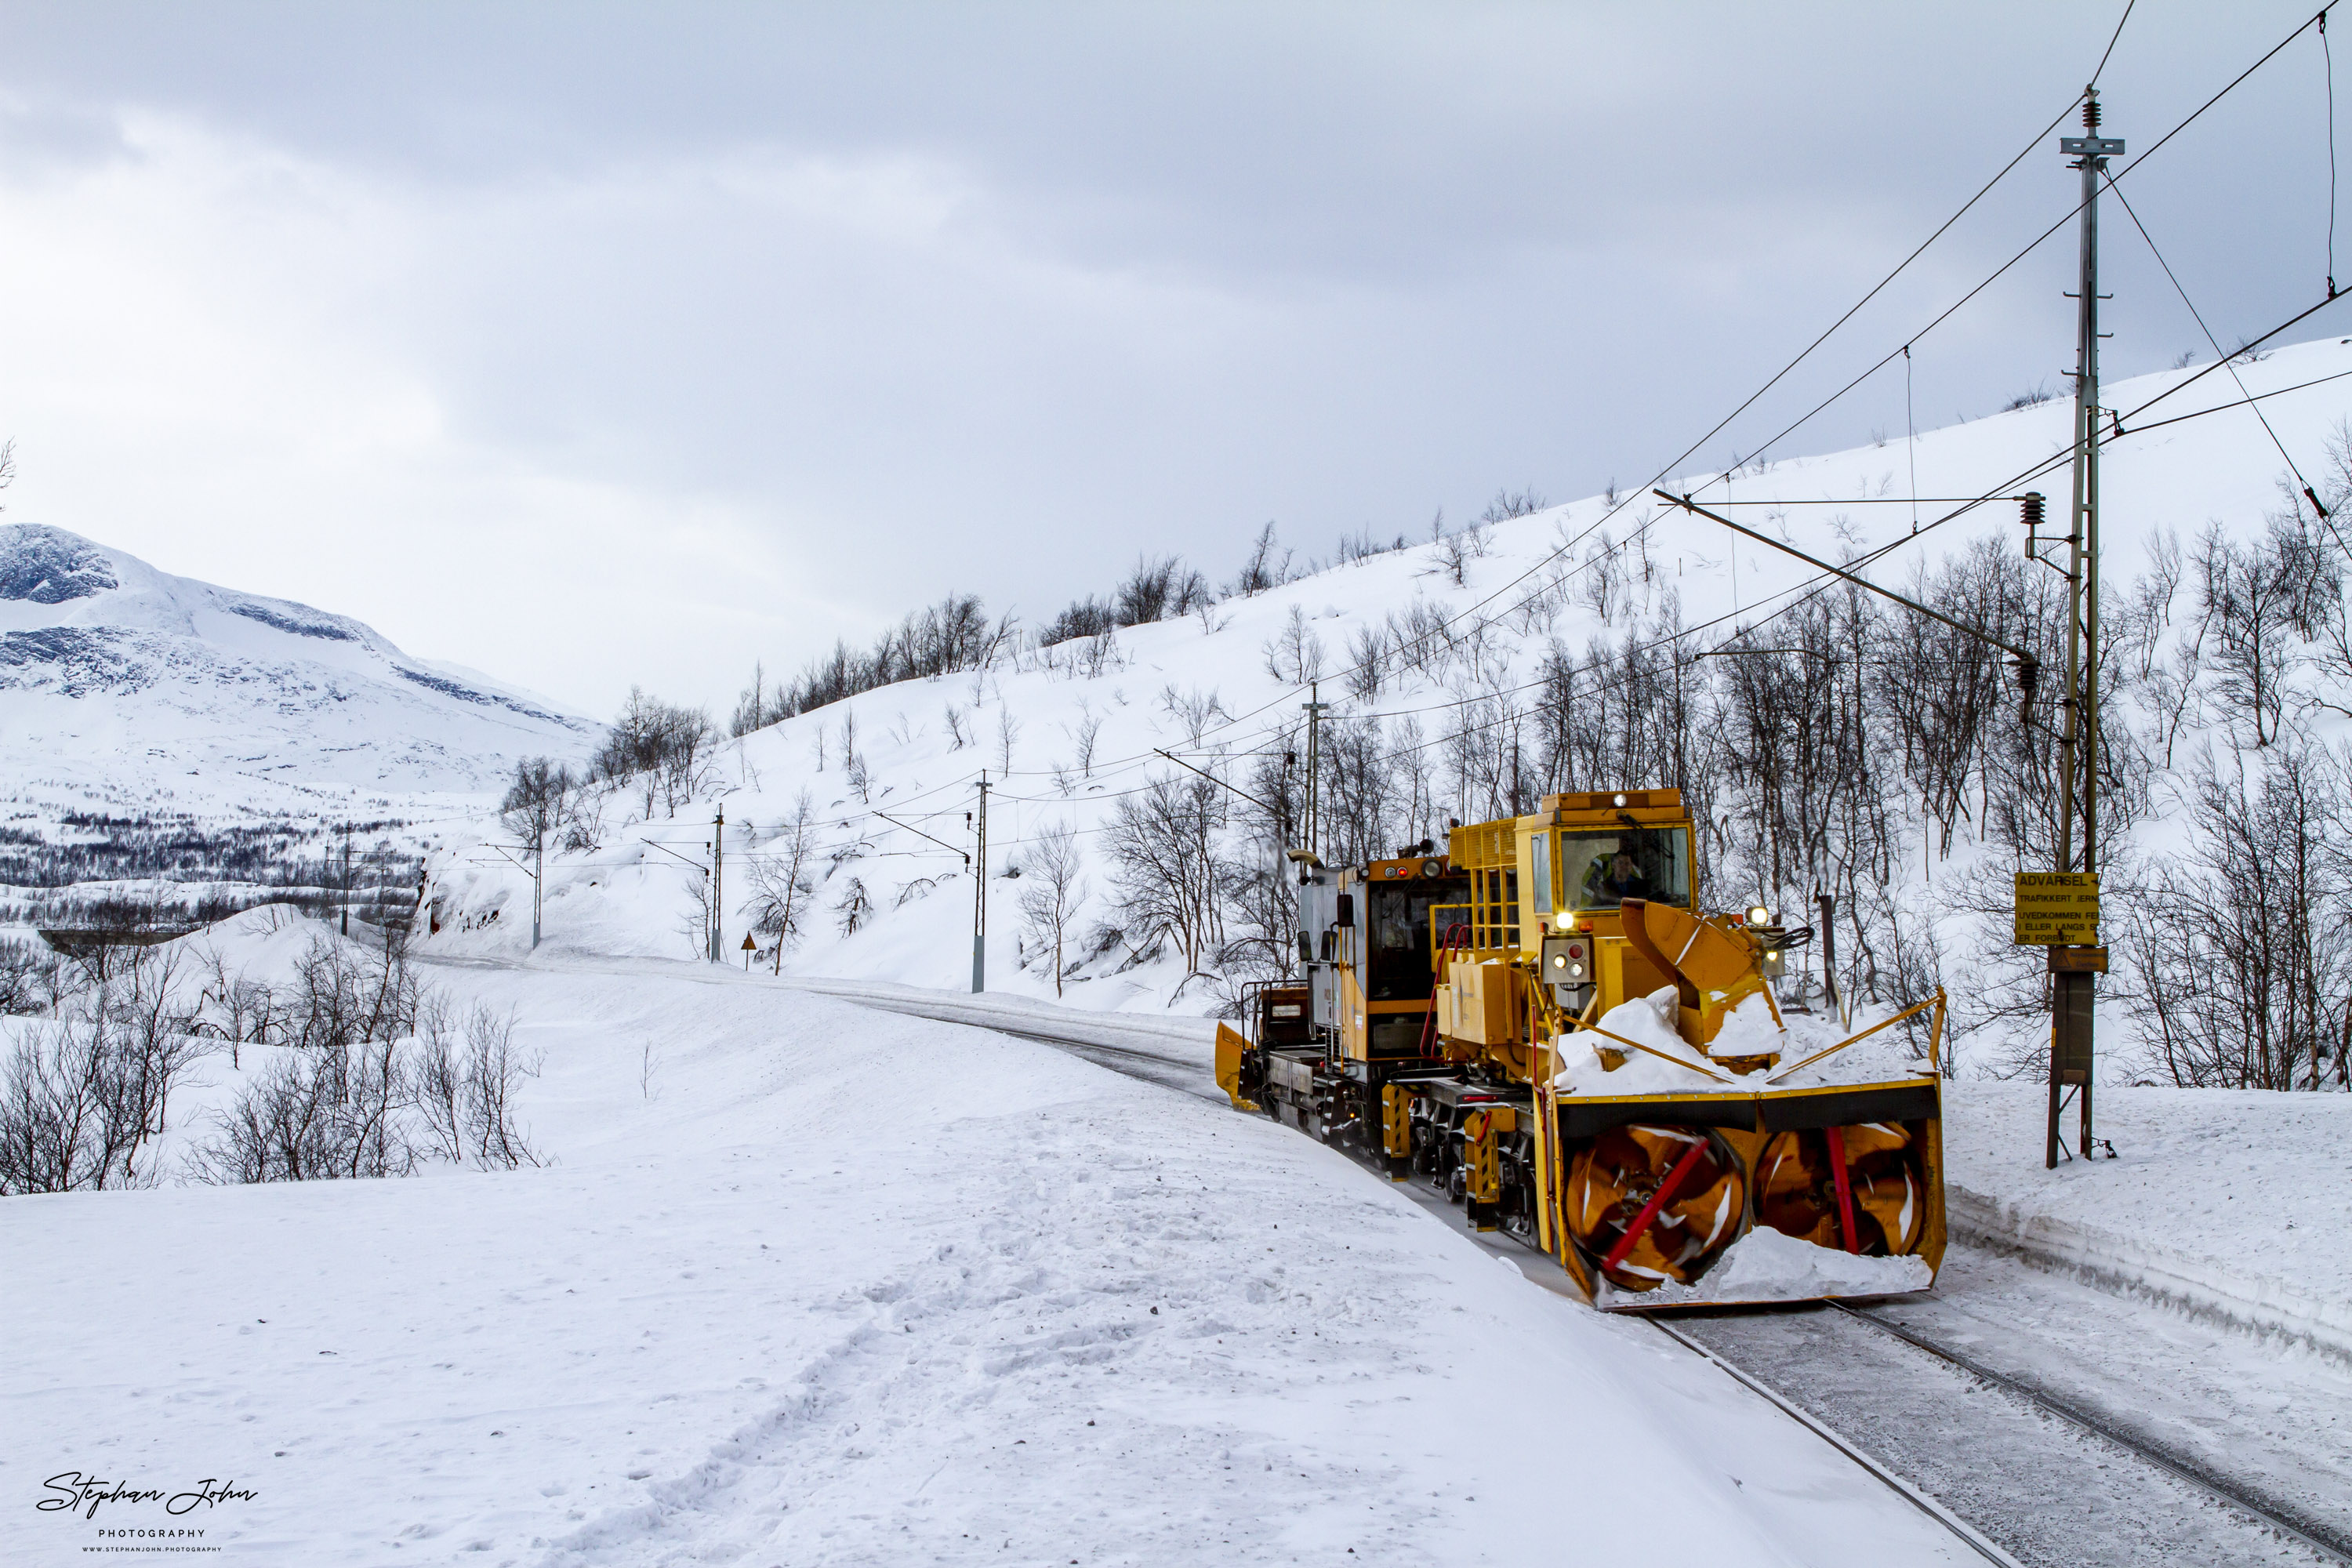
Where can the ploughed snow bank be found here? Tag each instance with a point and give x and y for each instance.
(2235, 1204)
(1766, 1266)
(816, 1284)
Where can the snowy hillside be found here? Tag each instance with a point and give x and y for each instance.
(1068, 734)
(170, 740)
(129, 682)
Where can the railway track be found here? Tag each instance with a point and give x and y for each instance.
(2021, 1474)
(2289, 1520)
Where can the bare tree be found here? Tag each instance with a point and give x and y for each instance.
(2261, 911)
(782, 885)
(1053, 890)
(1163, 844)
(538, 800)
(658, 749)
(1086, 734)
(1267, 566)
(854, 908)
(1008, 731)
(1295, 654)
(1367, 652)
(2251, 597)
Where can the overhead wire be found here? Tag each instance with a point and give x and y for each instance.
(1943, 316)
(2110, 49)
(2227, 359)
(1447, 622)
(1811, 586)
(1775, 379)
(2037, 241)
(2327, 54)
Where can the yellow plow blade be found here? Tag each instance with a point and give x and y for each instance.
(1230, 1047)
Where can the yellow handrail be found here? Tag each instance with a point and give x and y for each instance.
(1648, 1050)
(1937, 1002)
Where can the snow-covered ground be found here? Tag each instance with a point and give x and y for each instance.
(2231, 1204)
(809, 1283)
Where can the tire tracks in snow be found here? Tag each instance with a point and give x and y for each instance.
(1098, 1336)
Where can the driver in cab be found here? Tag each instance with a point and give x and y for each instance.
(1617, 878)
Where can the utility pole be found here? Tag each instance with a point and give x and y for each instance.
(1314, 769)
(2072, 967)
(980, 897)
(347, 878)
(718, 883)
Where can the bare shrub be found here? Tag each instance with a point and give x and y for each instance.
(1508, 504)
(659, 750)
(1267, 566)
(1194, 712)
(1164, 589)
(1295, 654)
(29, 976)
(68, 1121)
(85, 1094)
(493, 1074)
(856, 906)
(1451, 553)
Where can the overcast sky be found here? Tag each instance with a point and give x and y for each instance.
(591, 345)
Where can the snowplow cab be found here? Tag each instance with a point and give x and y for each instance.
(1370, 941)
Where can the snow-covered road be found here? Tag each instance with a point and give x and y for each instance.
(813, 1284)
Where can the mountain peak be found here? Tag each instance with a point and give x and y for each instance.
(115, 677)
(49, 565)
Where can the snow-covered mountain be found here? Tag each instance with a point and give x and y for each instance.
(140, 691)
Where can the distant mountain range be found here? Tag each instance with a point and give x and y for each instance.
(128, 689)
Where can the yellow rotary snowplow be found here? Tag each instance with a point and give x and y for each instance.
(1544, 1023)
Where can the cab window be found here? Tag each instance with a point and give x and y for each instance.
(1601, 870)
(1402, 965)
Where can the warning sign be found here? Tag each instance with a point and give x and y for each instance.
(2056, 908)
